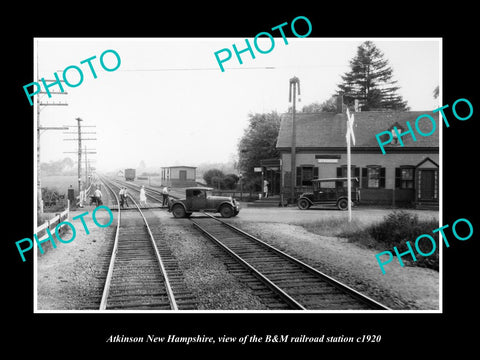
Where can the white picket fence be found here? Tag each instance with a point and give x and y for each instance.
(53, 222)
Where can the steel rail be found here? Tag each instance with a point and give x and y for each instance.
(363, 298)
(136, 188)
(171, 296)
(106, 289)
(148, 190)
(287, 298)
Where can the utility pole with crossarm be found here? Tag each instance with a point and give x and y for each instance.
(39, 129)
(350, 138)
(294, 86)
(79, 149)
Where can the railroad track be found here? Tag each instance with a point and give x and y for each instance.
(151, 191)
(154, 197)
(140, 275)
(299, 285)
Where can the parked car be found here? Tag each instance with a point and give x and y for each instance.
(202, 199)
(330, 191)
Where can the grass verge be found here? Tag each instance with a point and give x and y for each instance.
(395, 229)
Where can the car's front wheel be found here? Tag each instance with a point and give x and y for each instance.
(226, 211)
(342, 204)
(303, 204)
(178, 211)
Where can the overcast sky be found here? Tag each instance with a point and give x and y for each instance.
(149, 110)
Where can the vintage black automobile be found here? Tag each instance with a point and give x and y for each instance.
(331, 191)
(202, 199)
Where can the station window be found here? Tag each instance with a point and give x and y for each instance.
(305, 175)
(373, 177)
(342, 172)
(404, 177)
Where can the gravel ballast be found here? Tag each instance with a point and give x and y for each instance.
(71, 277)
(401, 288)
(205, 274)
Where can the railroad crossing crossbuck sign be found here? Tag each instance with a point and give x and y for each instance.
(350, 121)
(349, 136)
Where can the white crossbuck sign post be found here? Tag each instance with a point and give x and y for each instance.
(350, 138)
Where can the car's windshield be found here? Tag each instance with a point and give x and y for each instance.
(209, 193)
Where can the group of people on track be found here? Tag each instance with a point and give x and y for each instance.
(82, 196)
(123, 194)
(143, 197)
(95, 198)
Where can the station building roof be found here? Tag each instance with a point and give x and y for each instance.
(179, 166)
(324, 130)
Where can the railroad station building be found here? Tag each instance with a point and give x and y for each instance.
(179, 176)
(405, 176)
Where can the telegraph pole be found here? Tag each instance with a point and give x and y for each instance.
(86, 166)
(294, 82)
(87, 162)
(350, 138)
(79, 149)
(39, 129)
(79, 154)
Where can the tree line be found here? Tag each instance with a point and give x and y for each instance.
(217, 179)
(369, 81)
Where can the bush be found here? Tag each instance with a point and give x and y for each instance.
(217, 179)
(230, 181)
(399, 227)
(216, 182)
(252, 183)
(209, 176)
(395, 229)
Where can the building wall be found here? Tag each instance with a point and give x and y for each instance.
(165, 173)
(171, 176)
(388, 194)
(175, 173)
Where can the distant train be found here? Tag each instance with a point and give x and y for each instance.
(129, 174)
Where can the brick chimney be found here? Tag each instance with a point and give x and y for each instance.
(340, 103)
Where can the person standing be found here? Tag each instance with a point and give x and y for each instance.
(81, 198)
(165, 196)
(98, 196)
(71, 196)
(121, 197)
(143, 197)
(125, 196)
(265, 188)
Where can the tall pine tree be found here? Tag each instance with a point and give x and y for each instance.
(370, 81)
(258, 143)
